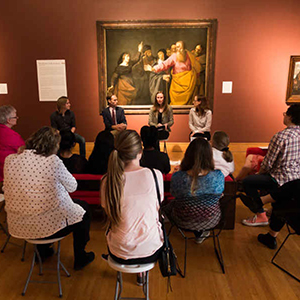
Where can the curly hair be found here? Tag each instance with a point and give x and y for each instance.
(45, 141)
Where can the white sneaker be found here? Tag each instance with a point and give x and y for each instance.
(205, 234)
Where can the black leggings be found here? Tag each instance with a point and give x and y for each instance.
(134, 261)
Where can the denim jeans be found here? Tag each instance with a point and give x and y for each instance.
(81, 141)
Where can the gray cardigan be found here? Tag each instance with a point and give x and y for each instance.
(167, 117)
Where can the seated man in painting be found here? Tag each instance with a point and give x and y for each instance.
(113, 116)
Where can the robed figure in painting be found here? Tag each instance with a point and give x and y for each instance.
(122, 84)
(159, 81)
(184, 74)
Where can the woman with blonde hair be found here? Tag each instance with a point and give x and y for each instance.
(223, 157)
(200, 118)
(161, 116)
(128, 195)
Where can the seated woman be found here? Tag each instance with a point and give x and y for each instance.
(153, 158)
(10, 141)
(200, 119)
(128, 195)
(161, 116)
(37, 201)
(196, 177)
(223, 158)
(76, 164)
(98, 160)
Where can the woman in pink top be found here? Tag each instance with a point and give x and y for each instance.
(128, 195)
(10, 141)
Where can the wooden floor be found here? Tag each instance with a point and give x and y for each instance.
(249, 272)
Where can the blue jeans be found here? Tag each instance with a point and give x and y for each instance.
(81, 141)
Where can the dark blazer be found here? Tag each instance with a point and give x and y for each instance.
(107, 119)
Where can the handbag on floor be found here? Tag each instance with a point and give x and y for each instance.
(168, 260)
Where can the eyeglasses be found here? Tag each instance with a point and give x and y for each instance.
(16, 117)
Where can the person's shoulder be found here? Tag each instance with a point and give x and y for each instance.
(54, 114)
(178, 174)
(70, 112)
(217, 173)
(170, 108)
(119, 108)
(208, 112)
(193, 109)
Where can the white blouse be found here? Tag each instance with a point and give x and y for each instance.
(221, 164)
(36, 191)
(200, 123)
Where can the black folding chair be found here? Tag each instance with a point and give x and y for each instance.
(201, 213)
(292, 219)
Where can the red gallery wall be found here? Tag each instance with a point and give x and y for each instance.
(254, 42)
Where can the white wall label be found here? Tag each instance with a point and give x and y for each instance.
(227, 87)
(3, 88)
(52, 81)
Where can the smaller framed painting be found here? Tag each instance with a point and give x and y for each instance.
(293, 86)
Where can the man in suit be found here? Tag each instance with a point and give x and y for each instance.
(113, 116)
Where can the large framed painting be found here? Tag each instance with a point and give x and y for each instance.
(293, 87)
(136, 59)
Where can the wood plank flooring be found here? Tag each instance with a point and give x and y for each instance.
(249, 272)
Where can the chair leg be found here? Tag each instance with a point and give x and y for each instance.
(58, 270)
(5, 244)
(29, 275)
(185, 254)
(218, 250)
(146, 285)
(165, 147)
(23, 252)
(119, 286)
(278, 266)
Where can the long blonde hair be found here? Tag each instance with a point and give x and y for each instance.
(127, 146)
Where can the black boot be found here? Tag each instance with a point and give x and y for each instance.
(267, 240)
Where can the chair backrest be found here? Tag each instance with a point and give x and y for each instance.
(289, 207)
(196, 212)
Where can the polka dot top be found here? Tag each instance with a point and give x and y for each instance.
(36, 191)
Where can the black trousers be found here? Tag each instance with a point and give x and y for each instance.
(287, 198)
(253, 183)
(134, 261)
(81, 233)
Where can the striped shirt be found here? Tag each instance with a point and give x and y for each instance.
(282, 160)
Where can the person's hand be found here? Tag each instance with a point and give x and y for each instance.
(159, 125)
(193, 133)
(121, 127)
(166, 78)
(110, 89)
(166, 127)
(147, 68)
(140, 46)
